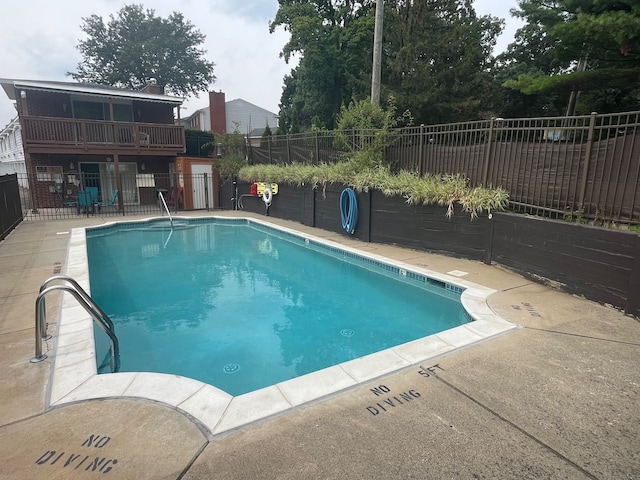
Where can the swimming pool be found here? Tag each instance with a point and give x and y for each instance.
(241, 306)
(74, 375)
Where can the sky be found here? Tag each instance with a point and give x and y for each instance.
(39, 40)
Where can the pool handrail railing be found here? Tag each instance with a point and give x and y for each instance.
(87, 303)
(166, 208)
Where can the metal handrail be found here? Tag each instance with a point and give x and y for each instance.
(87, 303)
(82, 292)
(166, 208)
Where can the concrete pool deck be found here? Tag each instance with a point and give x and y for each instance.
(555, 398)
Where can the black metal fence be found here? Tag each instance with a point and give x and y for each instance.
(199, 146)
(585, 167)
(55, 196)
(10, 210)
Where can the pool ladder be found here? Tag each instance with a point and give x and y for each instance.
(83, 298)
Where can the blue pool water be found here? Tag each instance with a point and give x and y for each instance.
(241, 306)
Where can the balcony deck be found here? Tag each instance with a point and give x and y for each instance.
(64, 135)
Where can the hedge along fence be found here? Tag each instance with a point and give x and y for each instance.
(600, 264)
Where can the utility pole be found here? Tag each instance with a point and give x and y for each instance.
(377, 53)
(573, 98)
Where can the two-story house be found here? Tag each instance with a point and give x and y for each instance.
(77, 135)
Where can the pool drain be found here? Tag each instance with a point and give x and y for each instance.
(231, 368)
(346, 332)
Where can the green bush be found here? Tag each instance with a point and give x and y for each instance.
(233, 153)
(230, 165)
(365, 130)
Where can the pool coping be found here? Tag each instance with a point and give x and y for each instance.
(74, 375)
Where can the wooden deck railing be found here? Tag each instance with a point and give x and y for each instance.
(63, 133)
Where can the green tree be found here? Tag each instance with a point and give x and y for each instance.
(264, 139)
(439, 58)
(287, 119)
(333, 39)
(234, 152)
(531, 54)
(136, 45)
(596, 51)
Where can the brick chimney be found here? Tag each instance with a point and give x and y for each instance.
(153, 87)
(217, 112)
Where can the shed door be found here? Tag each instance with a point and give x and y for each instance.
(202, 186)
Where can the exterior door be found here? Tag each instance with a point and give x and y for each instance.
(130, 195)
(202, 185)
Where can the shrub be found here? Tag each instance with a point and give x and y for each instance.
(445, 190)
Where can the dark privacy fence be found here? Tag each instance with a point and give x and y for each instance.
(601, 264)
(585, 167)
(10, 210)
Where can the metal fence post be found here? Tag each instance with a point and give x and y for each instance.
(269, 148)
(288, 150)
(488, 153)
(421, 152)
(206, 192)
(587, 160)
(317, 150)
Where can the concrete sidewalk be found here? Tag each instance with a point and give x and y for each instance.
(556, 398)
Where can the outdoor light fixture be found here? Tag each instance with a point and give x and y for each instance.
(108, 159)
(25, 108)
(71, 166)
(143, 167)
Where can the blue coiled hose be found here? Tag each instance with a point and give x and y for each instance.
(349, 210)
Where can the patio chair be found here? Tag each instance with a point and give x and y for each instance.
(171, 197)
(65, 203)
(93, 191)
(175, 200)
(86, 201)
(109, 203)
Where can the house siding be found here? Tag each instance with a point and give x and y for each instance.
(199, 120)
(11, 151)
(248, 117)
